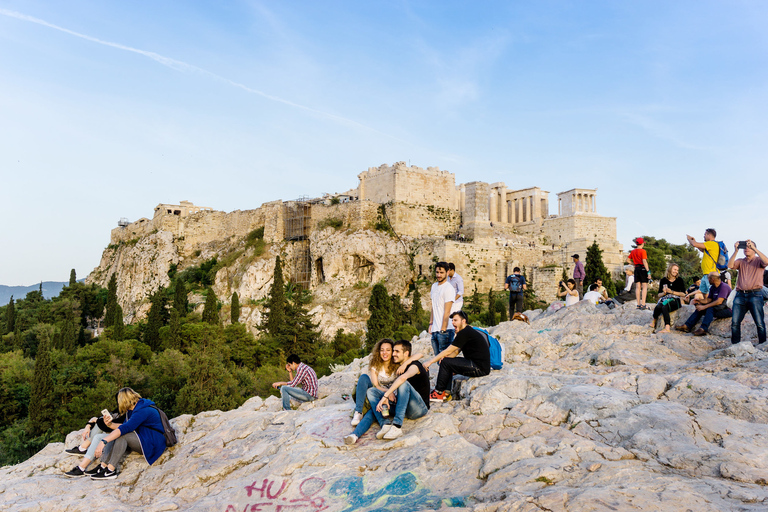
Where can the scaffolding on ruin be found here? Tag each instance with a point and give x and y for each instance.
(298, 223)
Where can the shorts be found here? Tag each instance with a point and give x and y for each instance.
(641, 275)
(704, 286)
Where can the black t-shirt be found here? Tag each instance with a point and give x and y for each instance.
(473, 346)
(420, 381)
(678, 285)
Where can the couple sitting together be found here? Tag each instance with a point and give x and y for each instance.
(397, 381)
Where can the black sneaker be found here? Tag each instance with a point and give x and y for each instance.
(75, 451)
(95, 471)
(106, 474)
(76, 471)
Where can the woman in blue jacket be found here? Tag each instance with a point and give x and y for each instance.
(142, 432)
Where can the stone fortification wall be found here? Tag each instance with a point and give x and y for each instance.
(414, 185)
(354, 214)
(423, 220)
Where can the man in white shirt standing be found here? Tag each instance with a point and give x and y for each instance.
(443, 295)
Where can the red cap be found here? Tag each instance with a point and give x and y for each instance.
(639, 241)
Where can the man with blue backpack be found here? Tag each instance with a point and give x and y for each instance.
(714, 258)
(516, 286)
(475, 363)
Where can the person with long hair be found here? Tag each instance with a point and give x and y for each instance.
(569, 291)
(95, 430)
(142, 432)
(671, 290)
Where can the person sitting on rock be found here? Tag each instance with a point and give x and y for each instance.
(601, 289)
(475, 363)
(671, 290)
(628, 292)
(411, 390)
(711, 307)
(142, 432)
(569, 291)
(593, 296)
(305, 377)
(693, 291)
(381, 373)
(749, 290)
(96, 430)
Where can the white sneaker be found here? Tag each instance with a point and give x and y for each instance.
(356, 418)
(350, 439)
(393, 433)
(384, 429)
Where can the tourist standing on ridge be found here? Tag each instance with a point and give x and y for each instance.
(578, 275)
(711, 307)
(305, 377)
(710, 253)
(516, 286)
(442, 295)
(671, 290)
(749, 289)
(458, 284)
(475, 363)
(639, 258)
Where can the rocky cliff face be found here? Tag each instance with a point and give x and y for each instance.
(590, 413)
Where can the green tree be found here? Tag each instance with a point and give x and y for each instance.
(234, 312)
(491, 309)
(595, 269)
(380, 322)
(154, 319)
(10, 316)
(118, 327)
(275, 319)
(399, 315)
(530, 300)
(109, 315)
(72, 277)
(180, 299)
(474, 304)
(303, 335)
(211, 309)
(41, 411)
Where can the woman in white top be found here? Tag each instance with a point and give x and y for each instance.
(569, 291)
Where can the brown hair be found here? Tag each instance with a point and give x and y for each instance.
(377, 362)
(669, 269)
(127, 398)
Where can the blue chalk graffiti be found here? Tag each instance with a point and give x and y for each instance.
(401, 494)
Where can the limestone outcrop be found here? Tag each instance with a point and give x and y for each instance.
(591, 412)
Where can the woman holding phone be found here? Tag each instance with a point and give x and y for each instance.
(96, 430)
(142, 432)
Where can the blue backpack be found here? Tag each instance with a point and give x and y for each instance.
(495, 348)
(514, 283)
(722, 260)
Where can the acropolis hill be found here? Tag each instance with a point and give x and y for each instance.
(331, 243)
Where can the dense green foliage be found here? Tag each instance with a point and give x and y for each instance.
(380, 324)
(234, 309)
(595, 269)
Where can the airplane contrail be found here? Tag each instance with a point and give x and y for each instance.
(178, 65)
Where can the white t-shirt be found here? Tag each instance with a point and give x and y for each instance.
(630, 281)
(441, 295)
(458, 284)
(593, 297)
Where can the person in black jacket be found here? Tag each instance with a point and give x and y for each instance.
(671, 290)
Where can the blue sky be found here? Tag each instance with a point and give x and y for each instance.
(109, 108)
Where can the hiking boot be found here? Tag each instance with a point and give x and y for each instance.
(384, 429)
(95, 471)
(439, 396)
(75, 451)
(356, 419)
(699, 332)
(105, 475)
(350, 439)
(682, 328)
(393, 433)
(75, 472)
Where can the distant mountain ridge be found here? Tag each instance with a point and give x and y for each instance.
(50, 289)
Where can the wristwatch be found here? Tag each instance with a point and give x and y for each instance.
(105, 441)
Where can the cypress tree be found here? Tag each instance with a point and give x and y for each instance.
(118, 328)
(10, 316)
(474, 304)
(175, 328)
(594, 268)
(380, 322)
(275, 307)
(40, 409)
(109, 315)
(180, 300)
(72, 277)
(211, 309)
(416, 309)
(302, 333)
(491, 309)
(154, 320)
(234, 312)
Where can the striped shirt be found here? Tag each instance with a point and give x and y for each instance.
(306, 378)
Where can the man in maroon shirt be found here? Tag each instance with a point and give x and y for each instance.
(749, 290)
(578, 275)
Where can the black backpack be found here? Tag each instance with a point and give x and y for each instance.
(169, 432)
(514, 283)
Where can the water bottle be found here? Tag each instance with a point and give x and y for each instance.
(385, 410)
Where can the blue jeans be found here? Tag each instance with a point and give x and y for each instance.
(441, 341)
(409, 404)
(709, 314)
(765, 292)
(365, 422)
(287, 392)
(752, 301)
(363, 383)
(96, 436)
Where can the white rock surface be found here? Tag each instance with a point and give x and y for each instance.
(591, 412)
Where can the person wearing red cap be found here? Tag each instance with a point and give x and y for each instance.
(639, 258)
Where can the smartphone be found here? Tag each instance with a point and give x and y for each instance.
(105, 412)
(743, 244)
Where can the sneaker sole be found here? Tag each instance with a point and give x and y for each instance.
(349, 440)
(110, 477)
(74, 476)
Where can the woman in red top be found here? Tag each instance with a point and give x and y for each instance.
(639, 258)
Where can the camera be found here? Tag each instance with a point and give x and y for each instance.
(743, 244)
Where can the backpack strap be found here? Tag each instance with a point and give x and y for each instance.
(160, 418)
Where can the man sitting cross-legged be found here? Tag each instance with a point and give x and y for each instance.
(475, 363)
(412, 390)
